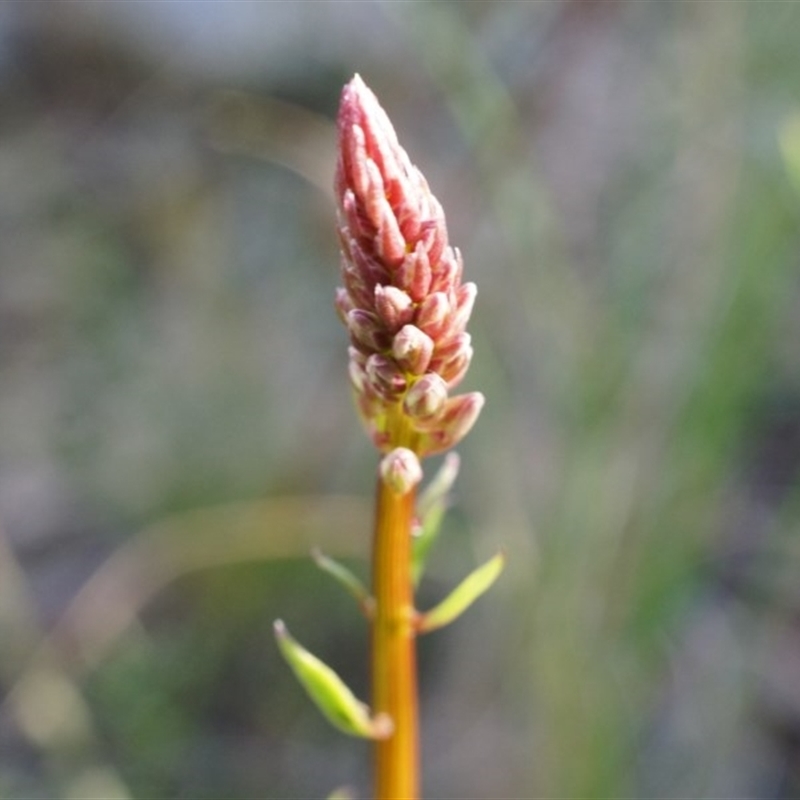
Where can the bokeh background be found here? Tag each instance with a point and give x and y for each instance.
(176, 429)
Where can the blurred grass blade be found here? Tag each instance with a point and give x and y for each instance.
(463, 596)
(431, 507)
(329, 693)
(789, 142)
(344, 577)
(342, 793)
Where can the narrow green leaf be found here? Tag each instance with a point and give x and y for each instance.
(463, 596)
(345, 577)
(430, 508)
(329, 693)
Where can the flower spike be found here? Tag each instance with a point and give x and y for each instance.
(402, 301)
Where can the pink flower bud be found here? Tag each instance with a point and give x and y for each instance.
(356, 288)
(455, 422)
(412, 349)
(394, 307)
(426, 398)
(448, 271)
(343, 303)
(355, 216)
(368, 267)
(384, 378)
(433, 313)
(366, 331)
(465, 302)
(400, 470)
(452, 359)
(454, 370)
(375, 196)
(435, 237)
(390, 242)
(414, 274)
(357, 375)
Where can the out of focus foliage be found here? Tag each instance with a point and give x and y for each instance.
(176, 429)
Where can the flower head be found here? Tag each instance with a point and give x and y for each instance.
(403, 301)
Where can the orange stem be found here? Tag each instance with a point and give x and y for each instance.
(394, 669)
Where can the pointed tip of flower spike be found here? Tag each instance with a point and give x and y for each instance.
(400, 470)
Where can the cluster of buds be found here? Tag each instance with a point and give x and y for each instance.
(403, 301)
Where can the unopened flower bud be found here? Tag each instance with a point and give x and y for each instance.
(454, 370)
(465, 302)
(375, 195)
(448, 271)
(435, 237)
(414, 274)
(343, 303)
(453, 424)
(412, 349)
(401, 470)
(356, 287)
(394, 306)
(391, 244)
(426, 398)
(452, 359)
(433, 313)
(366, 330)
(384, 377)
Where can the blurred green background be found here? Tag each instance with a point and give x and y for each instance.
(176, 429)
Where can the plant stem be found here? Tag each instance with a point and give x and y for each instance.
(394, 669)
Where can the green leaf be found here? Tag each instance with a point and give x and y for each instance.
(430, 508)
(463, 596)
(329, 693)
(346, 578)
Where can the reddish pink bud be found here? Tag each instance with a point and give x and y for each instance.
(400, 470)
(412, 349)
(357, 159)
(357, 375)
(368, 267)
(453, 370)
(453, 424)
(394, 306)
(366, 331)
(359, 292)
(391, 244)
(426, 398)
(343, 303)
(435, 236)
(355, 216)
(375, 195)
(384, 378)
(433, 313)
(448, 272)
(465, 302)
(414, 274)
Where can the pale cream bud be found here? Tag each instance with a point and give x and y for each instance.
(412, 349)
(400, 470)
(426, 398)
